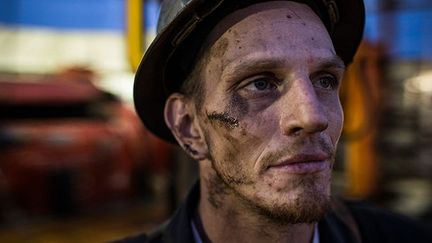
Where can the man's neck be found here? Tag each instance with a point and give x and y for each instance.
(229, 222)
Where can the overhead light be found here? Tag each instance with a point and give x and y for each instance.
(421, 83)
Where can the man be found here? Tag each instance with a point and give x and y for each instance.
(249, 89)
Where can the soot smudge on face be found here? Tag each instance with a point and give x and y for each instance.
(220, 48)
(217, 190)
(224, 118)
(188, 148)
(238, 106)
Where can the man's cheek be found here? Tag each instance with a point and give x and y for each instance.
(336, 119)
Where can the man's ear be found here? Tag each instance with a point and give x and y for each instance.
(180, 117)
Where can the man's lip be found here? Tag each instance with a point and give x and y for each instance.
(301, 158)
(303, 163)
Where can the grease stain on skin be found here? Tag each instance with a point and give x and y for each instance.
(189, 149)
(220, 48)
(224, 118)
(243, 132)
(217, 191)
(238, 106)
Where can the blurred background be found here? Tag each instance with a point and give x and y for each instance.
(77, 165)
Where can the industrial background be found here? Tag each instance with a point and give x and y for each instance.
(76, 164)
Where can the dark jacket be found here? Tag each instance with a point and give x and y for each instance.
(347, 222)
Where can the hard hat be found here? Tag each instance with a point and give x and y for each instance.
(184, 24)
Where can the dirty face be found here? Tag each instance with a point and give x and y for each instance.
(271, 113)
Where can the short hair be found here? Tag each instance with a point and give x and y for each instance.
(193, 86)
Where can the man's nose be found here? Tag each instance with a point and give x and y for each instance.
(302, 110)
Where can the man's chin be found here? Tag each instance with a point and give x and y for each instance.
(304, 209)
(307, 202)
(302, 199)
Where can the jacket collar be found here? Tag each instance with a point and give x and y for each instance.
(179, 230)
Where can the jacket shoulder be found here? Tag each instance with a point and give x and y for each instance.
(153, 237)
(142, 238)
(379, 225)
(133, 239)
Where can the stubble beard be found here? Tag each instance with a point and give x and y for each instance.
(309, 206)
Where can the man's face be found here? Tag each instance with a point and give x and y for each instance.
(271, 113)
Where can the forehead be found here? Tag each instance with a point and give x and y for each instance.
(281, 32)
(293, 11)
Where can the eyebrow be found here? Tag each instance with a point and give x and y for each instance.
(240, 68)
(250, 64)
(333, 62)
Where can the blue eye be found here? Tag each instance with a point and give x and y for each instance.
(261, 84)
(326, 82)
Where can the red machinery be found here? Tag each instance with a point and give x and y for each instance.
(66, 145)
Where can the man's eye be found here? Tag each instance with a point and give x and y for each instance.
(260, 84)
(326, 82)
